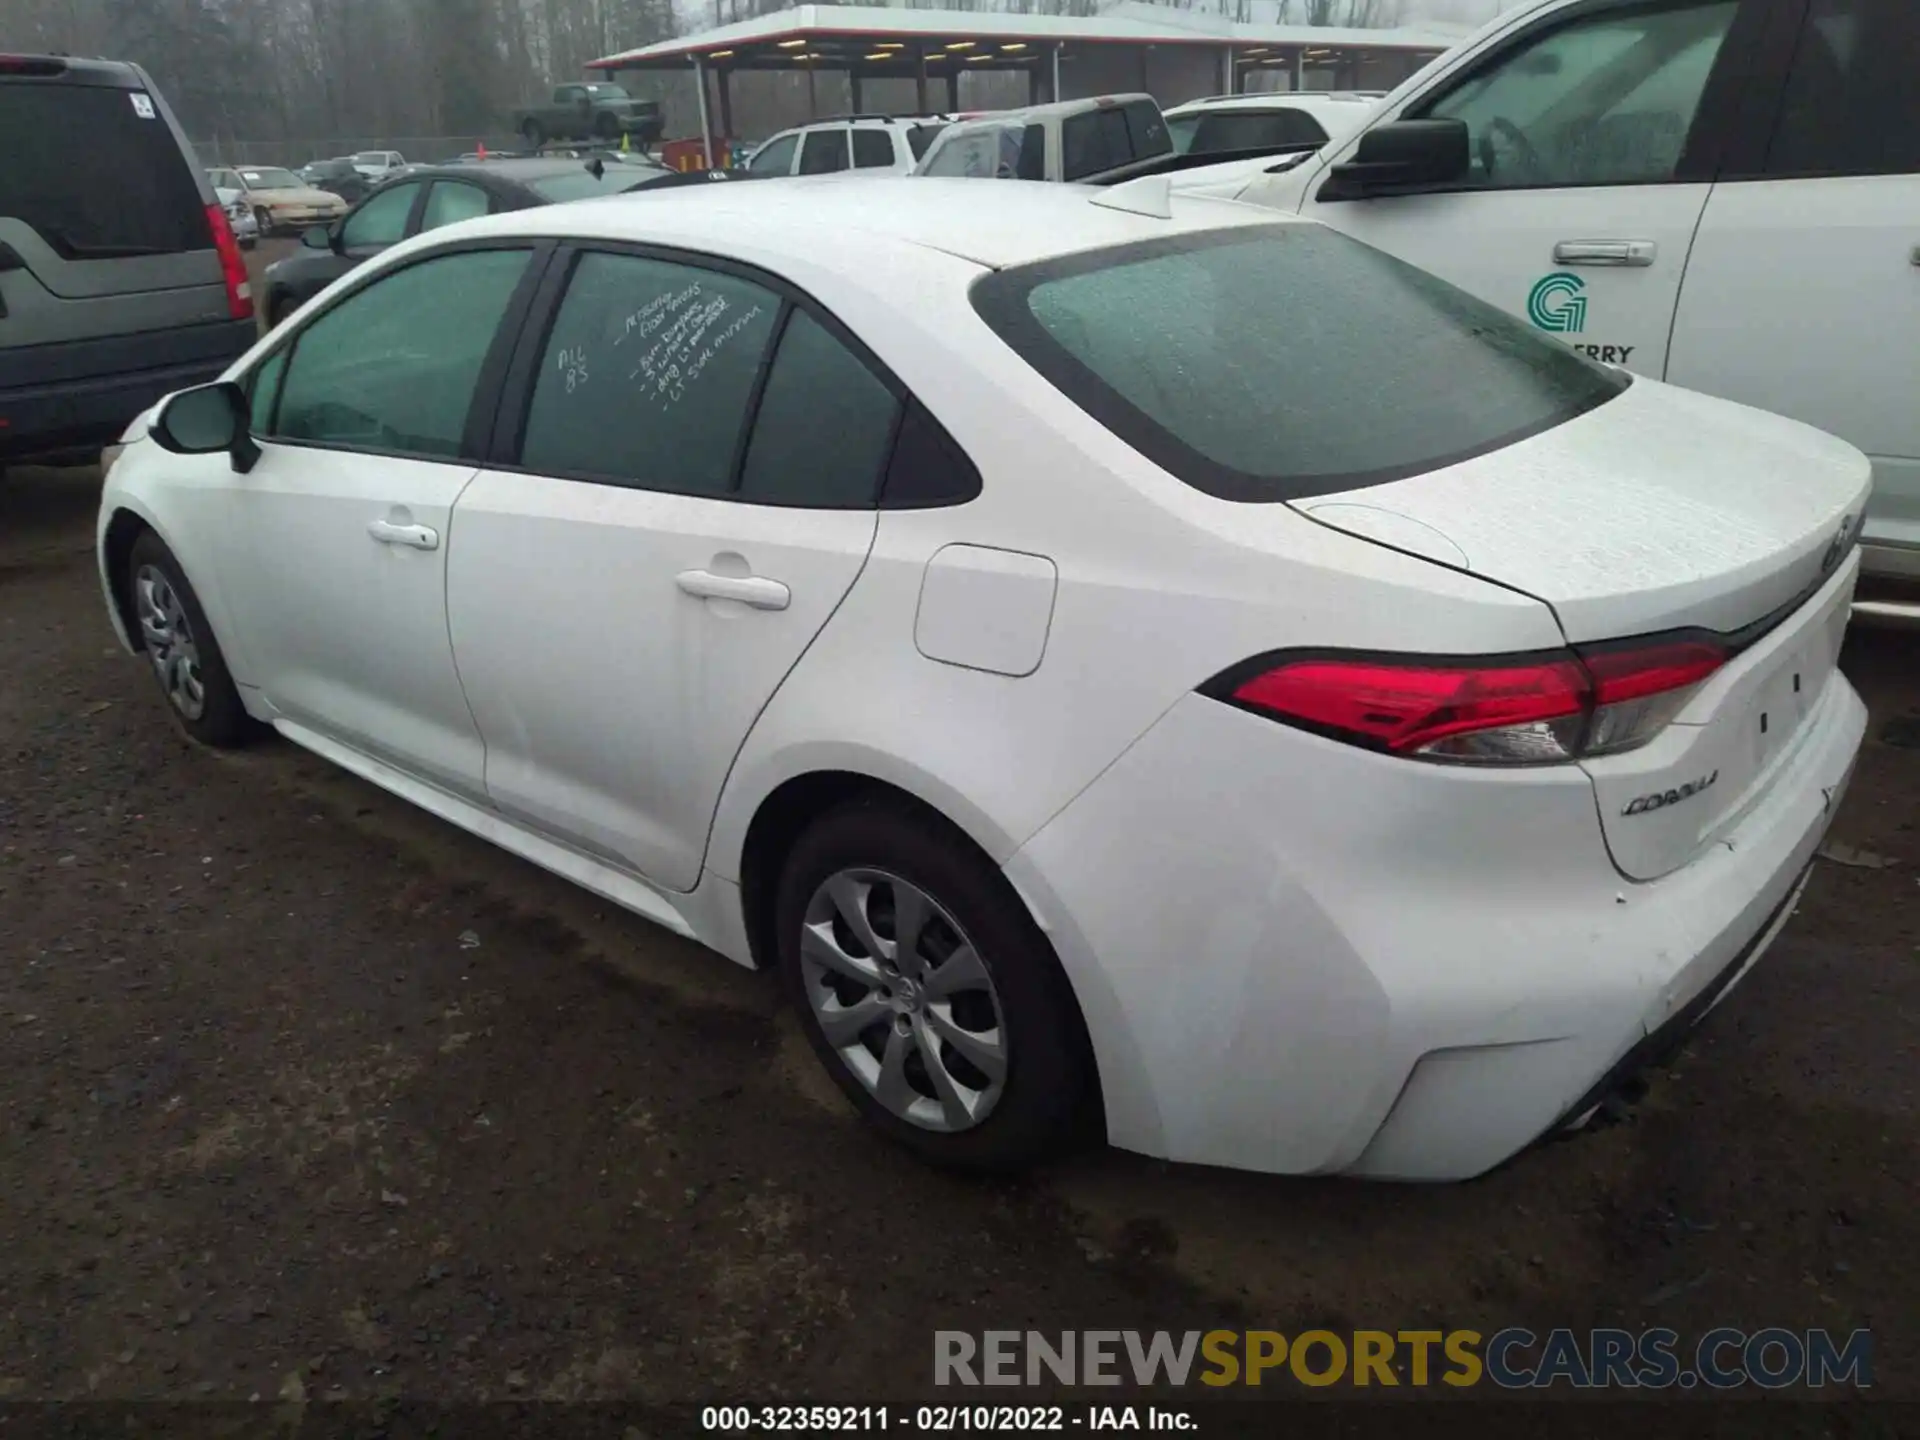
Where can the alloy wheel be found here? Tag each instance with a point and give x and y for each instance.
(169, 639)
(904, 1000)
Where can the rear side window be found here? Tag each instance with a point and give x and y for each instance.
(648, 375)
(1852, 106)
(919, 137)
(96, 172)
(450, 202)
(872, 148)
(823, 151)
(1286, 361)
(1254, 130)
(824, 425)
(1094, 142)
(1146, 130)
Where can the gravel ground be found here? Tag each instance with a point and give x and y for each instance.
(303, 1092)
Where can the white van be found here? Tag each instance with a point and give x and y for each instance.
(1721, 193)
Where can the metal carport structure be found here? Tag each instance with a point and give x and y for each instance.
(1063, 57)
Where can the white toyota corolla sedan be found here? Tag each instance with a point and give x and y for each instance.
(1113, 653)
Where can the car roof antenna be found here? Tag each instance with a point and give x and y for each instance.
(1150, 195)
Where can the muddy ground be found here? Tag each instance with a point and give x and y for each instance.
(304, 1092)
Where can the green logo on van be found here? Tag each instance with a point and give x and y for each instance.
(1558, 304)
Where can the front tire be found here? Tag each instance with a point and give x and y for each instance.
(179, 644)
(927, 990)
(264, 222)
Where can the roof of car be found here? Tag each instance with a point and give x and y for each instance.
(992, 223)
(1276, 100)
(1026, 113)
(518, 170)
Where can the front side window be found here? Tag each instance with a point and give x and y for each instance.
(1285, 361)
(1605, 100)
(381, 221)
(822, 152)
(393, 367)
(775, 157)
(648, 374)
(263, 388)
(450, 202)
(1852, 104)
(871, 149)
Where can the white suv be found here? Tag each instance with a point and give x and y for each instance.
(1724, 194)
(871, 144)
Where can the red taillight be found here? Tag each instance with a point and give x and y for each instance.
(32, 65)
(1511, 710)
(233, 265)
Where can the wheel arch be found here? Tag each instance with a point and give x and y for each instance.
(117, 539)
(767, 835)
(127, 520)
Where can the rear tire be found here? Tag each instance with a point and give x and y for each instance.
(534, 133)
(179, 644)
(964, 1045)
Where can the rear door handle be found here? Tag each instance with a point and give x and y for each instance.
(1636, 253)
(747, 589)
(419, 537)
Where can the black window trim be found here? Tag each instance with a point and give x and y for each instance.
(513, 404)
(1000, 300)
(487, 385)
(1715, 125)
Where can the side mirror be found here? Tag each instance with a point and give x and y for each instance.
(1401, 155)
(208, 421)
(318, 237)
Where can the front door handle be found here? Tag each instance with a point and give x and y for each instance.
(747, 589)
(1636, 253)
(419, 537)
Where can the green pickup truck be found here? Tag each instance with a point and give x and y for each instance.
(583, 111)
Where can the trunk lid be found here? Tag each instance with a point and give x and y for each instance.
(1661, 510)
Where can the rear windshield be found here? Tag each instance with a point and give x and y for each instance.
(1275, 362)
(1112, 136)
(582, 184)
(101, 177)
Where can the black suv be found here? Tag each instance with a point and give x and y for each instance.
(120, 280)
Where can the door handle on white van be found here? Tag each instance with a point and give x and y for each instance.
(1637, 253)
(747, 589)
(417, 536)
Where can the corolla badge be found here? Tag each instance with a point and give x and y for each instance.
(1661, 799)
